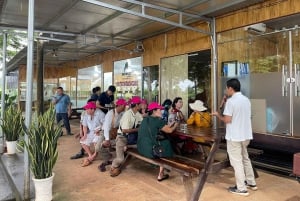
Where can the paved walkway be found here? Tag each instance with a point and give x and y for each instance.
(138, 182)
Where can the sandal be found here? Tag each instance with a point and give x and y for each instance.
(114, 172)
(86, 162)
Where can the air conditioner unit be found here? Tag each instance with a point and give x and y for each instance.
(259, 28)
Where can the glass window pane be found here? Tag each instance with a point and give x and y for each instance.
(150, 83)
(174, 79)
(88, 78)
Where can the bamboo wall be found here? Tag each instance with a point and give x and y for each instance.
(179, 41)
(51, 72)
(258, 13)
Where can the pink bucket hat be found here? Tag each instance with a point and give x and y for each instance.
(144, 101)
(135, 100)
(90, 105)
(121, 101)
(154, 105)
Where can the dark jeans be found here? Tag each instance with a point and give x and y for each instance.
(65, 118)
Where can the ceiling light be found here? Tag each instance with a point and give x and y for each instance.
(54, 53)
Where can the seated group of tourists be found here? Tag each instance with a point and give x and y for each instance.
(138, 125)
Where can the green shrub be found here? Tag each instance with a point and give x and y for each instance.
(43, 135)
(12, 123)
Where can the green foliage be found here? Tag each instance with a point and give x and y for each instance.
(12, 123)
(15, 42)
(8, 99)
(43, 135)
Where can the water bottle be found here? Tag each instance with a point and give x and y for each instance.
(177, 118)
(171, 119)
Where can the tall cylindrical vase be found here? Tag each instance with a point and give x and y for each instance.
(43, 188)
(11, 147)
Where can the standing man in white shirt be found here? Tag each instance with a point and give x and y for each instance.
(237, 117)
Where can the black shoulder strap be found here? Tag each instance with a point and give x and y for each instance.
(59, 98)
(150, 133)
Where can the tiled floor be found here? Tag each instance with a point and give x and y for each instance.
(138, 182)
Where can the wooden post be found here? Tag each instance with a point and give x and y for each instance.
(204, 172)
(188, 186)
(40, 78)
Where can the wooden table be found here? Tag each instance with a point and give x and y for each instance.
(212, 136)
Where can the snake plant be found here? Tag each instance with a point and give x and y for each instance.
(43, 135)
(12, 123)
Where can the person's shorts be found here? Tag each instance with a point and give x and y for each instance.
(91, 138)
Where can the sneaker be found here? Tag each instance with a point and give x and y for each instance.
(76, 156)
(252, 187)
(237, 191)
(102, 167)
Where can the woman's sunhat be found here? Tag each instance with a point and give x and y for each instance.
(198, 106)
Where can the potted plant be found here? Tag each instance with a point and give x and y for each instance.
(43, 135)
(12, 124)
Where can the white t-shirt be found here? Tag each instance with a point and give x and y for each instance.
(239, 108)
(94, 122)
(130, 120)
(107, 125)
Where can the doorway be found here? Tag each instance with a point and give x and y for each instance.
(278, 71)
(199, 72)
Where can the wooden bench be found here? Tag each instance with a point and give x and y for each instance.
(187, 168)
(76, 113)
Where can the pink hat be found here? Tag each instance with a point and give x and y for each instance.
(121, 101)
(144, 101)
(154, 105)
(90, 105)
(135, 100)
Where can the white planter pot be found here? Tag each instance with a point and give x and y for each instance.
(11, 147)
(43, 188)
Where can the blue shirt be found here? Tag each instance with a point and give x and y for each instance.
(62, 105)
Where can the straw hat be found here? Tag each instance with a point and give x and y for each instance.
(198, 106)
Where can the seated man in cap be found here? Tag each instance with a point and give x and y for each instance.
(128, 125)
(143, 108)
(110, 127)
(80, 154)
(92, 124)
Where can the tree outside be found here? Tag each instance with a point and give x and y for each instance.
(16, 41)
